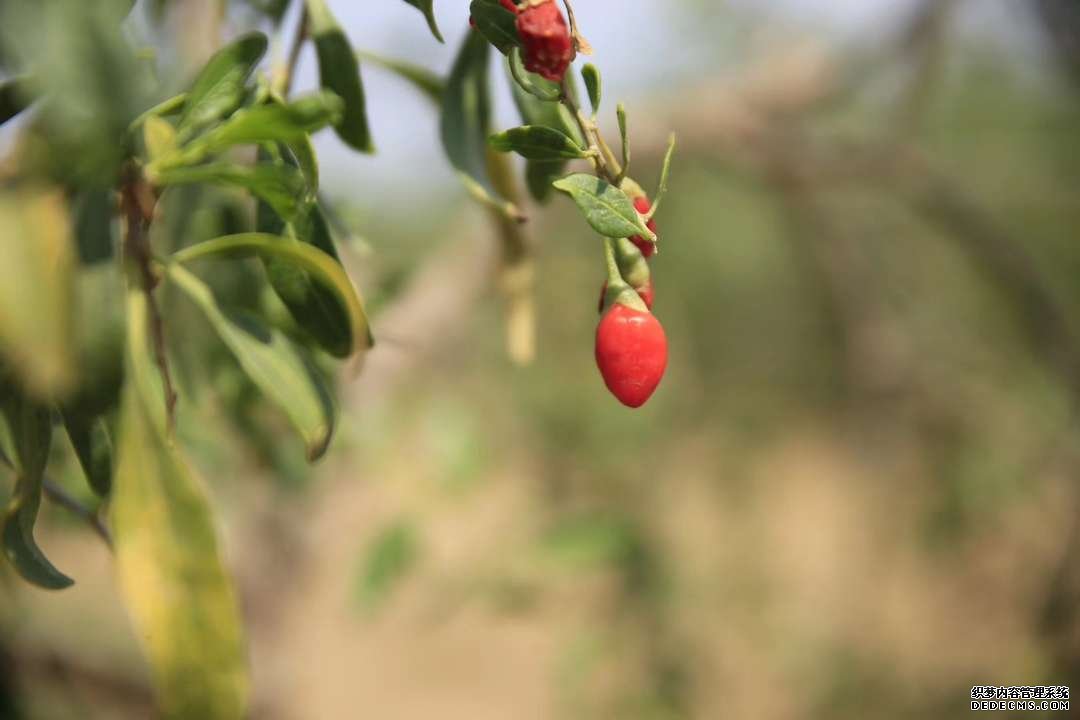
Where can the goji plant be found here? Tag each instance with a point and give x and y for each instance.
(105, 272)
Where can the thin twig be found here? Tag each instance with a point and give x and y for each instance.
(61, 497)
(289, 72)
(605, 163)
(137, 201)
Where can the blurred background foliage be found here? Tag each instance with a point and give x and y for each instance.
(853, 496)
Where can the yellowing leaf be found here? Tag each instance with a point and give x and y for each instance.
(171, 573)
(36, 263)
(159, 136)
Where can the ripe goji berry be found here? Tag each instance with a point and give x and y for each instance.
(642, 205)
(631, 353)
(549, 48)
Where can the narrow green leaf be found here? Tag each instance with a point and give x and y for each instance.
(98, 340)
(606, 208)
(537, 142)
(535, 85)
(218, 90)
(273, 122)
(36, 278)
(171, 573)
(664, 172)
(321, 267)
(466, 121)
(423, 79)
(30, 424)
(620, 112)
(425, 6)
(315, 308)
(171, 106)
(282, 186)
(389, 558)
(303, 152)
(290, 124)
(93, 447)
(15, 96)
(591, 75)
(272, 362)
(496, 24)
(539, 174)
(339, 71)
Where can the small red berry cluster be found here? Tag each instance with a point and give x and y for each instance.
(631, 347)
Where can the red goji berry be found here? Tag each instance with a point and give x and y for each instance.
(631, 352)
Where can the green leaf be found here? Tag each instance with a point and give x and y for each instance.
(15, 96)
(591, 76)
(466, 121)
(272, 362)
(314, 307)
(171, 573)
(339, 72)
(392, 553)
(539, 174)
(93, 447)
(606, 208)
(664, 172)
(164, 108)
(282, 186)
(219, 88)
(537, 142)
(36, 296)
(30, 424)
(423, 79)
(289, 124)
(539, 87)
(97, 340)
(322, 268)
(272, 122)
(425, 6)
(496, 24)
